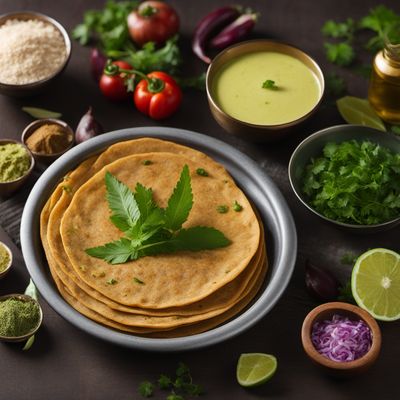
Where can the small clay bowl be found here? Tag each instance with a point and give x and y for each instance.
(42, 157)
(246, 130)
(8, 267)
(22, 297)
(340, 369)
(7, 188)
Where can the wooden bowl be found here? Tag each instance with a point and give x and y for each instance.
(249, 131)
(42, 157)
(7, 188)
(341, 369)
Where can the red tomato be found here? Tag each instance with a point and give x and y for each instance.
(114, 87)
(153, 21)
(161, 104)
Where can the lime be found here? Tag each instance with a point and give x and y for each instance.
(254, 369)
(375, 283)
(358, 111)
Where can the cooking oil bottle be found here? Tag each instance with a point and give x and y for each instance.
(384, 86)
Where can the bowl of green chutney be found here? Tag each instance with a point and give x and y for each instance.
(16, 164)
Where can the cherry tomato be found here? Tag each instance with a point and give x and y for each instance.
(114, 87)
(153, 21)
(160, 104)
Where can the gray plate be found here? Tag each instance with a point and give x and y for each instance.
(281, 236)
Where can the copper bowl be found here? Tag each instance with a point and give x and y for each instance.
(8, 266)
(22, 297)
(43, 157)
(7, 188)
(28, 89)
(259, 133)
(341, 369)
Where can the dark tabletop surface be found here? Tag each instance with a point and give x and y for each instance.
(65, 363)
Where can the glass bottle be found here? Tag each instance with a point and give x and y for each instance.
(384, 85)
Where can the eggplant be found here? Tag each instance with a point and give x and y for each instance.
(320, 283)
(97, 63)
(208, 25)
(88, 127)
(235, 31)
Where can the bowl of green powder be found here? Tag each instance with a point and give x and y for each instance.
(5, 259)
(16, 164)
(20, 317)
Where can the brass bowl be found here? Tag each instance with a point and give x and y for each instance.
(340, 369)
(28, 89)
(259, 133)
(42, 157)
(22, 297)
(8, 267)
(7, 188)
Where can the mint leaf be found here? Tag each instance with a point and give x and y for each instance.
(199, 238)
(122, 203)
(117, 252)
(180, 203)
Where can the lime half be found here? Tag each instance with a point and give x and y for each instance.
(375, 283)
(254, 369)
(358, 111)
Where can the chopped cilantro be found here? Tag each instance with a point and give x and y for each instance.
(112, 281)
(164, 382)
(354, 182)
(222, 209)
(147, 162)
(269, 84)
(201, 172)
(137, 280)
(146, 389)
(237, 207)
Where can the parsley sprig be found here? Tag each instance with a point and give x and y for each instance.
(181, 385)
(149, 229)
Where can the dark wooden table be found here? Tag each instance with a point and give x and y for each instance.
(66, 363)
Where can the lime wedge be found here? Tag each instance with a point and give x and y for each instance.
(358, 111)
(375, 283)
(254, 369)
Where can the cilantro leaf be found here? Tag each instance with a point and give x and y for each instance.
(164, 382)
(182, 369)
(339, 53)
(199, 238)
(180, 203)
(146, 389)
(385, 23)
(269, 84)
(339, 29)
(122, 203)
(117, 252)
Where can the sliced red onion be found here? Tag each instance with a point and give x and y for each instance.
(341, 339)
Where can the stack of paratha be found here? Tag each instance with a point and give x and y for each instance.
(166, 295)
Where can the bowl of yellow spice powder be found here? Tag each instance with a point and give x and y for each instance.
(20, 317)
(5, 259)
(16, 164)
(48, 139)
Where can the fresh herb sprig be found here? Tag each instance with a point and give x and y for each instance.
(149, 229)
(269, 84)
(382, 22)
(180, 386)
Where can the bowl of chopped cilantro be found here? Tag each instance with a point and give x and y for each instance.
(349, 175)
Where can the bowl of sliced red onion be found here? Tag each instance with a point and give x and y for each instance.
(342, 338)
